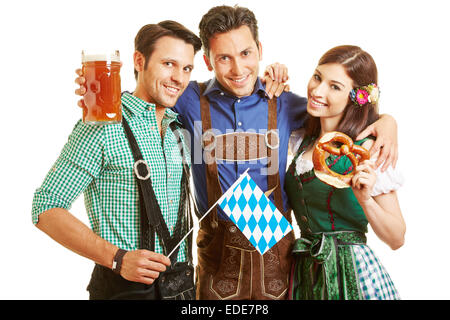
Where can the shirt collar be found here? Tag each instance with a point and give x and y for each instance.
(138, 106)
(135, 105)
(171, 115)
(215, 86)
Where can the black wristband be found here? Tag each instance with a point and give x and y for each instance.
(117, 261)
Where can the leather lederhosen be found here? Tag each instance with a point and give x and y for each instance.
(229, 267)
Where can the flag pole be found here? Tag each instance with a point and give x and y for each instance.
(207, 212)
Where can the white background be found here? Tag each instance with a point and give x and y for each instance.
(41, 44)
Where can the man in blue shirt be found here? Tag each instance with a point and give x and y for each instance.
(234, 125)
(220, 116)
(233, 128)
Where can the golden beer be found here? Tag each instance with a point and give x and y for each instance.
(102, 103)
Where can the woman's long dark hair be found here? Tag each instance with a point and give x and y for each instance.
(361, 68)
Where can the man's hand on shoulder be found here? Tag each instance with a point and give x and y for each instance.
(385, 129)
(275, 77)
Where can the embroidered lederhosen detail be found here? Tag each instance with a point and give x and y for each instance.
(229, 267)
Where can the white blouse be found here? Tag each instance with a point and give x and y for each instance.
(387, 181)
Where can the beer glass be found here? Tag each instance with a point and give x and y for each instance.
(102, 103)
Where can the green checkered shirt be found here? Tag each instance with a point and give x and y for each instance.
(97, 160)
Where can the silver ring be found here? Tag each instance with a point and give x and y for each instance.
(136, 171)
(273, 131)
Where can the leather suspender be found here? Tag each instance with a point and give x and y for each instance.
(273, 180)
(151, 217)
(214, 191)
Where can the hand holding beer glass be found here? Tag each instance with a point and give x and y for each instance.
(102, 100)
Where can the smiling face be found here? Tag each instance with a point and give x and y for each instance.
(234, 57)
(167, 73)
(328, 92)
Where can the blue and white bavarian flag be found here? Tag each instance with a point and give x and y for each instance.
(254, 214)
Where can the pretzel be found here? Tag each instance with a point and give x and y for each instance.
(323, 172)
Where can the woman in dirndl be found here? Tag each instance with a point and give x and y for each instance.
(331, 259)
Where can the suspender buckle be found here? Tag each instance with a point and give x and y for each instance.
(136, 170)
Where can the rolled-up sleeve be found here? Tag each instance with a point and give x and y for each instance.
(79, 163)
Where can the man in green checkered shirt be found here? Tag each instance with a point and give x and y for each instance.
(97, 160)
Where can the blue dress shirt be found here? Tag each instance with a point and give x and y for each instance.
(230, 114)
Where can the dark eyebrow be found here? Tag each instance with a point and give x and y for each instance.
(331, 80)
(176, 61)
(167, 59)
(221, 55)
(338, 83)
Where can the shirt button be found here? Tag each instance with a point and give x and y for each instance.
(221, 93)
(232, 229)
(239, 123)
(239, 100)
(304, 219)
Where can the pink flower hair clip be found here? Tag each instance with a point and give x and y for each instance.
(363, 95)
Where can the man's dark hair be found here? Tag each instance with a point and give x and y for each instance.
(222, 19)
(148, 35)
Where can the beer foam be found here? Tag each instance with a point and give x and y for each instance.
(100, 57)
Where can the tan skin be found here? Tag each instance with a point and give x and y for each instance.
(234, 57)
(385, 129)
(164, 80)
(328, 92)
(236, 54)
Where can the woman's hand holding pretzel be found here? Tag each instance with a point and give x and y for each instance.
(363, 181)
